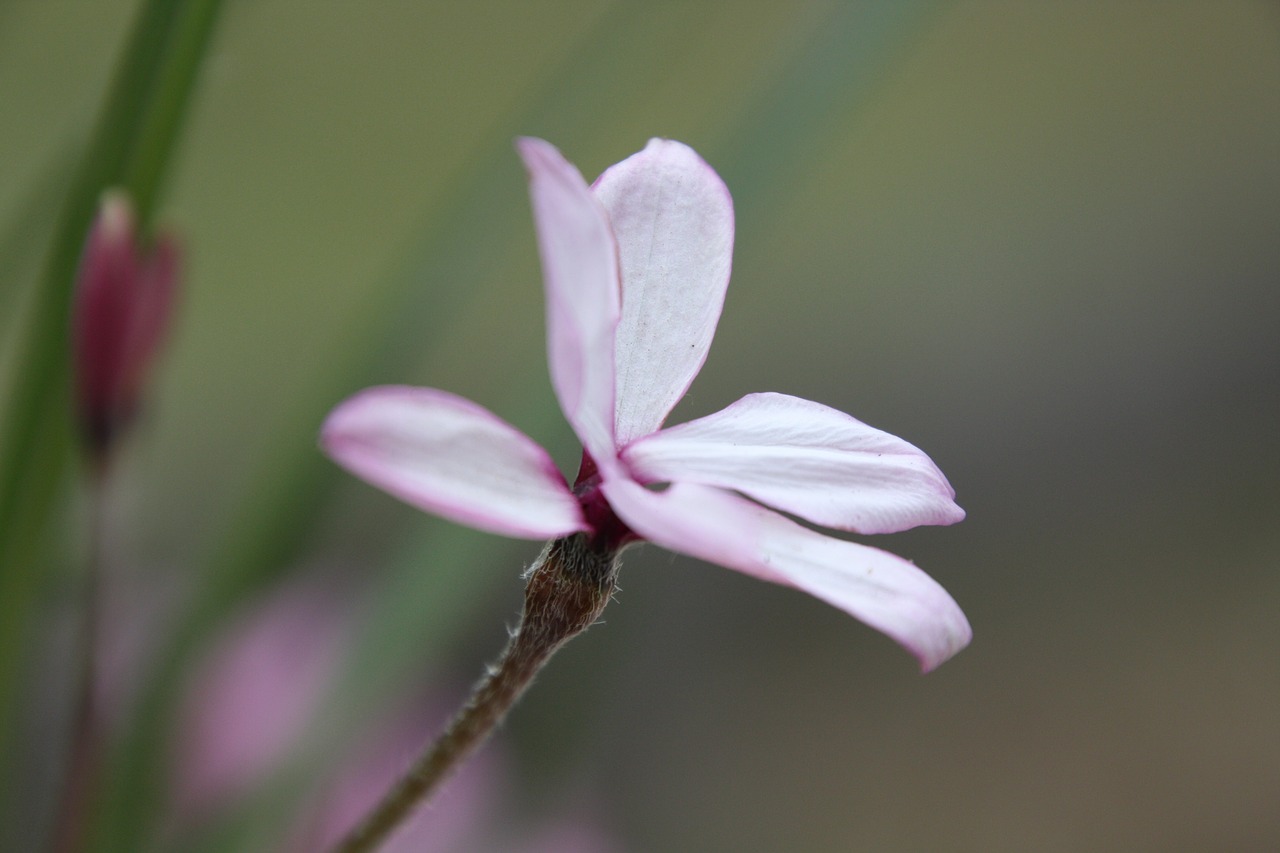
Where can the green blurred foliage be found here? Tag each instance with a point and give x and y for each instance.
(1037, 240)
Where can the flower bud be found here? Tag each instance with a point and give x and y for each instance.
(123, 300)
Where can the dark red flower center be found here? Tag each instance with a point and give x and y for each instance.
(608, 531)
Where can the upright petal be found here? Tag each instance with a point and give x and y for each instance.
(673, 219)
(580, 272)
(451, 457)
(886, 592)
(804, 458)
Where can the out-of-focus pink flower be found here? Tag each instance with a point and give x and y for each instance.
(251, 699)
(455, 819)
(464, 815)
(635, 269)
(123, 301)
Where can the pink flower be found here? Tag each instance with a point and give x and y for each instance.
(635, 269)
(471, 811)
(251, 698)
(250, 703)
(457, 819)
(122, 305)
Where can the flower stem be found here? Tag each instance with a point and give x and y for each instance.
(85, 752)
(567, 588)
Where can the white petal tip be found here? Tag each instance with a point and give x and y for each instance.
(538, 154)
(952, 635)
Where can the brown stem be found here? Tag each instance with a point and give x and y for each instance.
(84, 755)
(567, 589)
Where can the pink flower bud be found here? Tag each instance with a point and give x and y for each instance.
(123, 300)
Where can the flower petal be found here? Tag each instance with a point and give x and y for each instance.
(884, 591)
(804, 458)
(451, 457)
(673, 220)
(580, 273)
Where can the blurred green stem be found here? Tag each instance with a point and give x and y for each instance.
(131, 148)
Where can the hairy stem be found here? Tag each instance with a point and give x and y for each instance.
(567, 589)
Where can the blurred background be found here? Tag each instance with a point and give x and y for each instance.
(1039, 241)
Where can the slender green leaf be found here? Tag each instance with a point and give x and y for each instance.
(131, 147)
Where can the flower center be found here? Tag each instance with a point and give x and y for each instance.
(610, 533)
